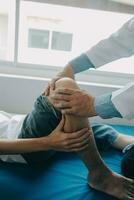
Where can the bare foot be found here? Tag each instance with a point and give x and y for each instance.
(112, 184)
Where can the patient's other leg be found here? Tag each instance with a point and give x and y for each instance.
(100, 177)
(122, 141)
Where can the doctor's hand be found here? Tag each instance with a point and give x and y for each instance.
(66, 72)
(51, 85)
(74, 101)
(68, 142)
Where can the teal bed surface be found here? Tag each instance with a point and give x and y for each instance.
(64, 177)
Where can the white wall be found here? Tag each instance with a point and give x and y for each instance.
(17, 94)
(3, 36)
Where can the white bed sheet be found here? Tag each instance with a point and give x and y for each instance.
(10, 126)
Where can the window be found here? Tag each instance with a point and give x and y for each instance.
(38, 38)
(45, 38)
(44, 34)
(61, 41)
(7, 17)
(54, 37)
(41, 39)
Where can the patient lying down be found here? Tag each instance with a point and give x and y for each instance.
(44, 118)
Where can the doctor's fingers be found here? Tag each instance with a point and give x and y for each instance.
(62, 104)
(53, 81)
(51, 85)
(69, 111)
(47, 91)
(56, 96)
(65, 91)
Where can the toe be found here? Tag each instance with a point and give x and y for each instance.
(130, 194)
(129, 198)
(131, 190)
(129, 182)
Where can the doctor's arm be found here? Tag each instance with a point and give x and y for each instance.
(118, 45)
(117, 104)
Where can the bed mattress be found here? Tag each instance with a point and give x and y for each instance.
(64, 177)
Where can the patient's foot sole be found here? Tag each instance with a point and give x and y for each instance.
(112, 184)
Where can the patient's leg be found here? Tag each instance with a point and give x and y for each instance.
(100, 177)
(122, 141)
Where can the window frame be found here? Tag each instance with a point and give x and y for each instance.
(34, 70)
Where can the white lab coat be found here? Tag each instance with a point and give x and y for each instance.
(119, 45)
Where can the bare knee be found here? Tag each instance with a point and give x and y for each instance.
(63, 83)
(66, 83)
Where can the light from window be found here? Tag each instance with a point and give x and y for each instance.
(38, 39)
(61, 41)
(7, 24)
(52, 35)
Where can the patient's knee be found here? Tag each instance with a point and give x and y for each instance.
(66, 83)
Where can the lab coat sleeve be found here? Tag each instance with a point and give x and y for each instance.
(81, 63)
(105, 108)
(123, 100)
(119, 45)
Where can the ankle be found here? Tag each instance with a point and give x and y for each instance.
(100, 174)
